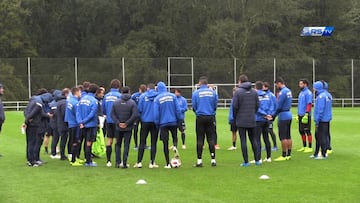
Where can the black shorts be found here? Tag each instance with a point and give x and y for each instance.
(110, 130)
(49, 132)
(304, 127)
(90, 134)
(284, 129)
(233, 127)
(181, 125)
(74, 134)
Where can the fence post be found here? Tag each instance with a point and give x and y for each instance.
(123, 70)
(17, 106)
(274, 75)
(235, 71)
(76, 71)
(29, 76)
(352, 83)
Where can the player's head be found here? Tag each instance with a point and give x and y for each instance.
(93, 88)
(86, 86)
(100, 92)
(266, 86)
(259, 85)
(125, 90)
(142, 88)
(65, 92)
(76, 92)
(1, 89)
(178, 92)
(243, 78)
(203, 80)
(115, 84)
(303, 83)
(151, 86)
(41, 91)
(279, 82)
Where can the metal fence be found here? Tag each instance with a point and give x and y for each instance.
(23, 76)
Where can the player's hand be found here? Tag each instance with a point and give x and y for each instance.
(82, 126)
(122, 125)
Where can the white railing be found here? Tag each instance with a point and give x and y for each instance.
(223, 103)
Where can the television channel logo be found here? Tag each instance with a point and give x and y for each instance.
(317, 31)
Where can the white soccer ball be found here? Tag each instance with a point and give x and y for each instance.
(175, 163)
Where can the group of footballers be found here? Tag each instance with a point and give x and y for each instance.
(254, 109)
(73, 116)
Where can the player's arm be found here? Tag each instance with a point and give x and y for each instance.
(134, 114)
(93, 112)
(194, 102)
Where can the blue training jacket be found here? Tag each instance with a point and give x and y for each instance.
(265, 106)
(273, 101)
(183, 106)
(145, 106)
(108, 102)
(231, 113)
(305, 98)
(283, 105)
(204, 101)
(166, 108)
(70, 112)
(323, 104)
(136, 97)
(86, 112)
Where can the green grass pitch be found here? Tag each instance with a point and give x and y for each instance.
(301, 179)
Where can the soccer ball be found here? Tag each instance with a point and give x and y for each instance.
(175, 163)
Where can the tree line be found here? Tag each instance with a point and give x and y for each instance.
(249, 30)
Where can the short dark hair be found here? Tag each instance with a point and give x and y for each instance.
(65, 91)
(86, 85)
(259, 85)
(41, 91)
(80, 87)
(243, 78)
(115, 83)
(279, 80)
(142, 87)
(266, 84)
(203, 80)
(178, 90)
(125, 90)
(74, 90)
(93, 88)
(151, 86)
(305, 81)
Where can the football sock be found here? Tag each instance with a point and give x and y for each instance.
(213, 161)
(74, 153)
(234, 144)
(289, 152)
(199, 161)
(183, 138)
(310, 140)
(303, 138)
(108, 152)
(284, 154)
(88, 154)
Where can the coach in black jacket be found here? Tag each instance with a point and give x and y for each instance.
(62, 126)
(124, 113)
(245, 105)
(34, 120)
